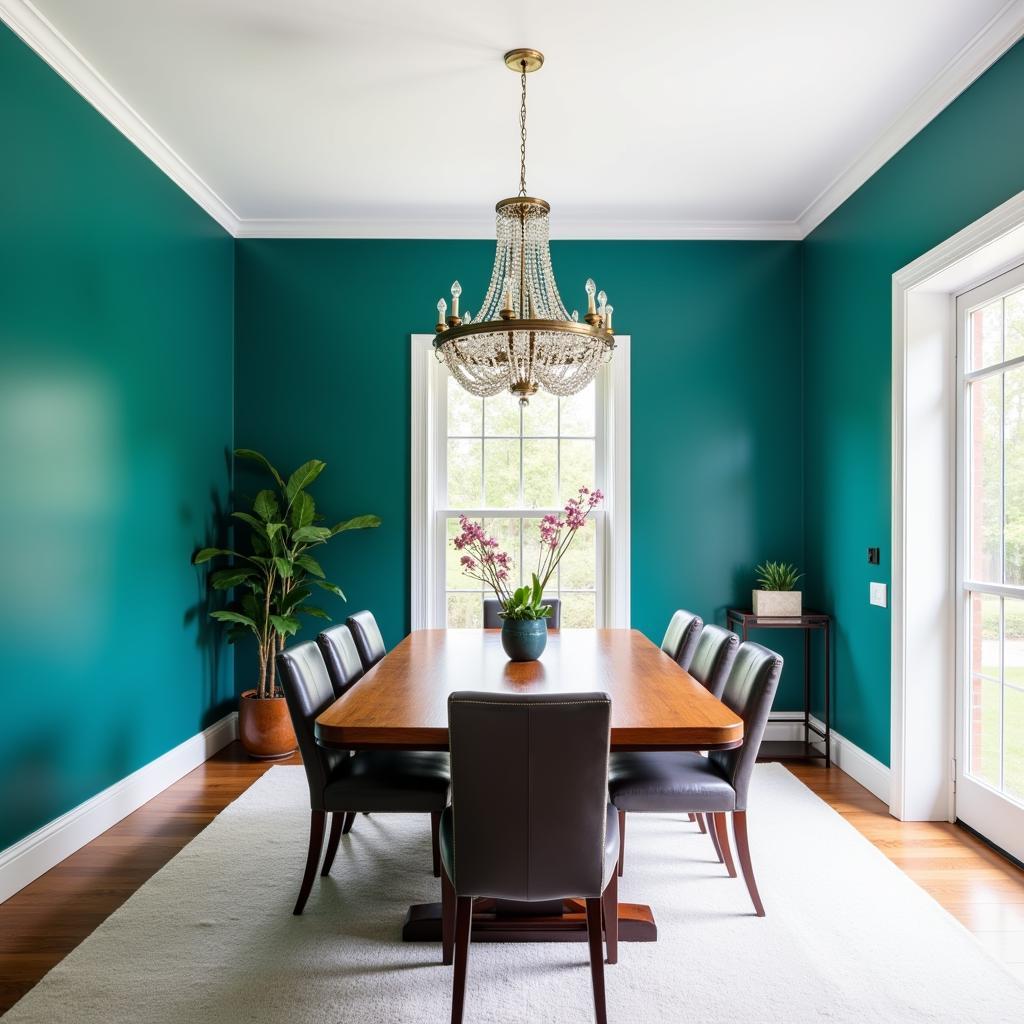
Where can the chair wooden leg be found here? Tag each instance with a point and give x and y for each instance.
(722, 831)
(622, 842)
(691, 817)
(463, 932)
(435, 842)
(610, 911)
(739, 828)
(350, 820)
(596, 957)
(700, 823)
(447, 919)
(713, 832)
(337, 818)
(317, 821)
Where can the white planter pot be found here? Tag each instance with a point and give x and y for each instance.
(778, 603)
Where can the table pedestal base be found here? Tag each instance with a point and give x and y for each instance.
(509, 921)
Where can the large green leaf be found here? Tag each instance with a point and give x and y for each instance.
(285, 624)
(537, 591)
(356, 523)
(303, 510)
(252, 521)
(295, 596)
(251, 606)
(319, 613)
(310, 564)
(248, 453)
(205, 554)
(311, 534)
(303, 477)
(331, 588)
(275, 528)
(284, 568)
(229, 616)
(266, 507)
(225, 579)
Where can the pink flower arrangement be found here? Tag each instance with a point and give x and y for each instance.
(483, 559)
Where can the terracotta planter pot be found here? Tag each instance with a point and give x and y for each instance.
(264, 726)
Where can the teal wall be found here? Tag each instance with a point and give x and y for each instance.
(963, 164)
(322, 370)
(115, 419)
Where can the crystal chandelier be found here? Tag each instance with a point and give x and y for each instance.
(523, 338)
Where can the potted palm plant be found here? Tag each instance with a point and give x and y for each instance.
(778, 596)
(524, 615)
(273, 577)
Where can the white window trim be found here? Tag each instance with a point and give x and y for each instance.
(924, 494)
(429, 378)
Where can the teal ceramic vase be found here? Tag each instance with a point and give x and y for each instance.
(524, 639)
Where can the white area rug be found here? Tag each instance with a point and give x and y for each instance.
(211, 937)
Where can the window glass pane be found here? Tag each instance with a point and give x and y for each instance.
(985, 730)
(578, 567)
(1013, 315)
(465, 413)
(465, 611)
(986, 335)
(506, 533)
(1013, 468)
(540, 417)
(577, 468)
(578, 611)
(1013, 696)
(1013, 767)
(540, 473)
(501, 416)
(501, 473)
(463, 474)
(578, 412)
(985, 636)
(531, 553)
(985, 504)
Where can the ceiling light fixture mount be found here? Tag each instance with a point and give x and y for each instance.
(524, 339)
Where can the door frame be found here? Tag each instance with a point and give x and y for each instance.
(924, 534)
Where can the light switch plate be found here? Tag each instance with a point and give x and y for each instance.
(878, 594)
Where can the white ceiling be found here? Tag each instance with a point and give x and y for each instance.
(397, 117)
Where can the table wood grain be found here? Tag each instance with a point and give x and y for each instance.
(401, 703)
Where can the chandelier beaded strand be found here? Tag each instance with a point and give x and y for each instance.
(523, 339)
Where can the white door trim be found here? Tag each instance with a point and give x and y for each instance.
(923, 660)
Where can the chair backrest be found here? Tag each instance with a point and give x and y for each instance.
(344, 665)
(529, 793)
(681, 637)
(713, 658)
(308, 690)
(749, 691)
(369, 642)
(492, 620)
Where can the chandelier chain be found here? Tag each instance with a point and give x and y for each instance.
(522, 137)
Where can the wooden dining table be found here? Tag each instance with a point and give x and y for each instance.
(402, 704)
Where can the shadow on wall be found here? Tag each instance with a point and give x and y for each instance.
(208, 633)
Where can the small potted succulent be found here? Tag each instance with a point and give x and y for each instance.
(777, 596)
(272, 576)
(524, 615)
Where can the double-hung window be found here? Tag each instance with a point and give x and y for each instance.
(506, 466)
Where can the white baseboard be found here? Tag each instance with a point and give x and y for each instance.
(34, 855)
(847, 756)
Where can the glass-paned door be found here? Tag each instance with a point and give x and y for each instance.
(990, 557)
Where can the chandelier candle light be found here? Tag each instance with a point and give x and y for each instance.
(523, 338)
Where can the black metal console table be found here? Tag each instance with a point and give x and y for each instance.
(817, 743)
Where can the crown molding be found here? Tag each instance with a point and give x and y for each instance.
(987, 46)
(43, 37)
(593, 229)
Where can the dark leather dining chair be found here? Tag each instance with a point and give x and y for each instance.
(713, 656)
(716, 785)
(680, 640)
(492, 620)
(342, 782)
(344, 665)
(366, 634)
(542, 760)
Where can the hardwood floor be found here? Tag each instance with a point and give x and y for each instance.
(41, 924)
